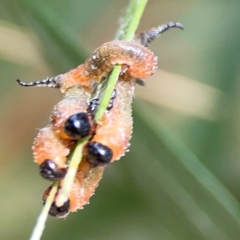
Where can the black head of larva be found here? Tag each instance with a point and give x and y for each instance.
(50, 171)
(98, 154)
(78, 125)
(59, 212)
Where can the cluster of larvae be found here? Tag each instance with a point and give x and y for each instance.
(73, 117)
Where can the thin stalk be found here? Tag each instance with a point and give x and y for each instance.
(40, 225)
(125, 32)
(107, 93)
(138, 8)
(74, 162)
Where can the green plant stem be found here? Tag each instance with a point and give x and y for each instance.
(138, 7)
(126, 32)
(74, 162)
(39, 227)
(107, 93)
(130, 21)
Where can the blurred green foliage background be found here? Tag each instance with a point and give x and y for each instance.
(181, 178)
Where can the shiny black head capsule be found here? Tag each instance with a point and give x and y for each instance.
(50, 171)
(98, 154)
(59, 212)
(78, 125)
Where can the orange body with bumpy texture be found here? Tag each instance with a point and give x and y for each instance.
(116, 125)
(85, 184)
(115, 128)
(51, 142)
(47, 145)
(114, 131)
(137, 60)
(75, 100)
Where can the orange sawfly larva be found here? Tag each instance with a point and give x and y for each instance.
(73, 117)
(136, 59)
(52, 145)
(113, 134)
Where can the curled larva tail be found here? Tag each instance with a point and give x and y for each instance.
(140, 61)
(137, 62)
(136, 59)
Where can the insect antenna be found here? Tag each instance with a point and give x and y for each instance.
(52, 82)
(147, 37)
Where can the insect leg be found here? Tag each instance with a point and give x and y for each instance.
(140, 82)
